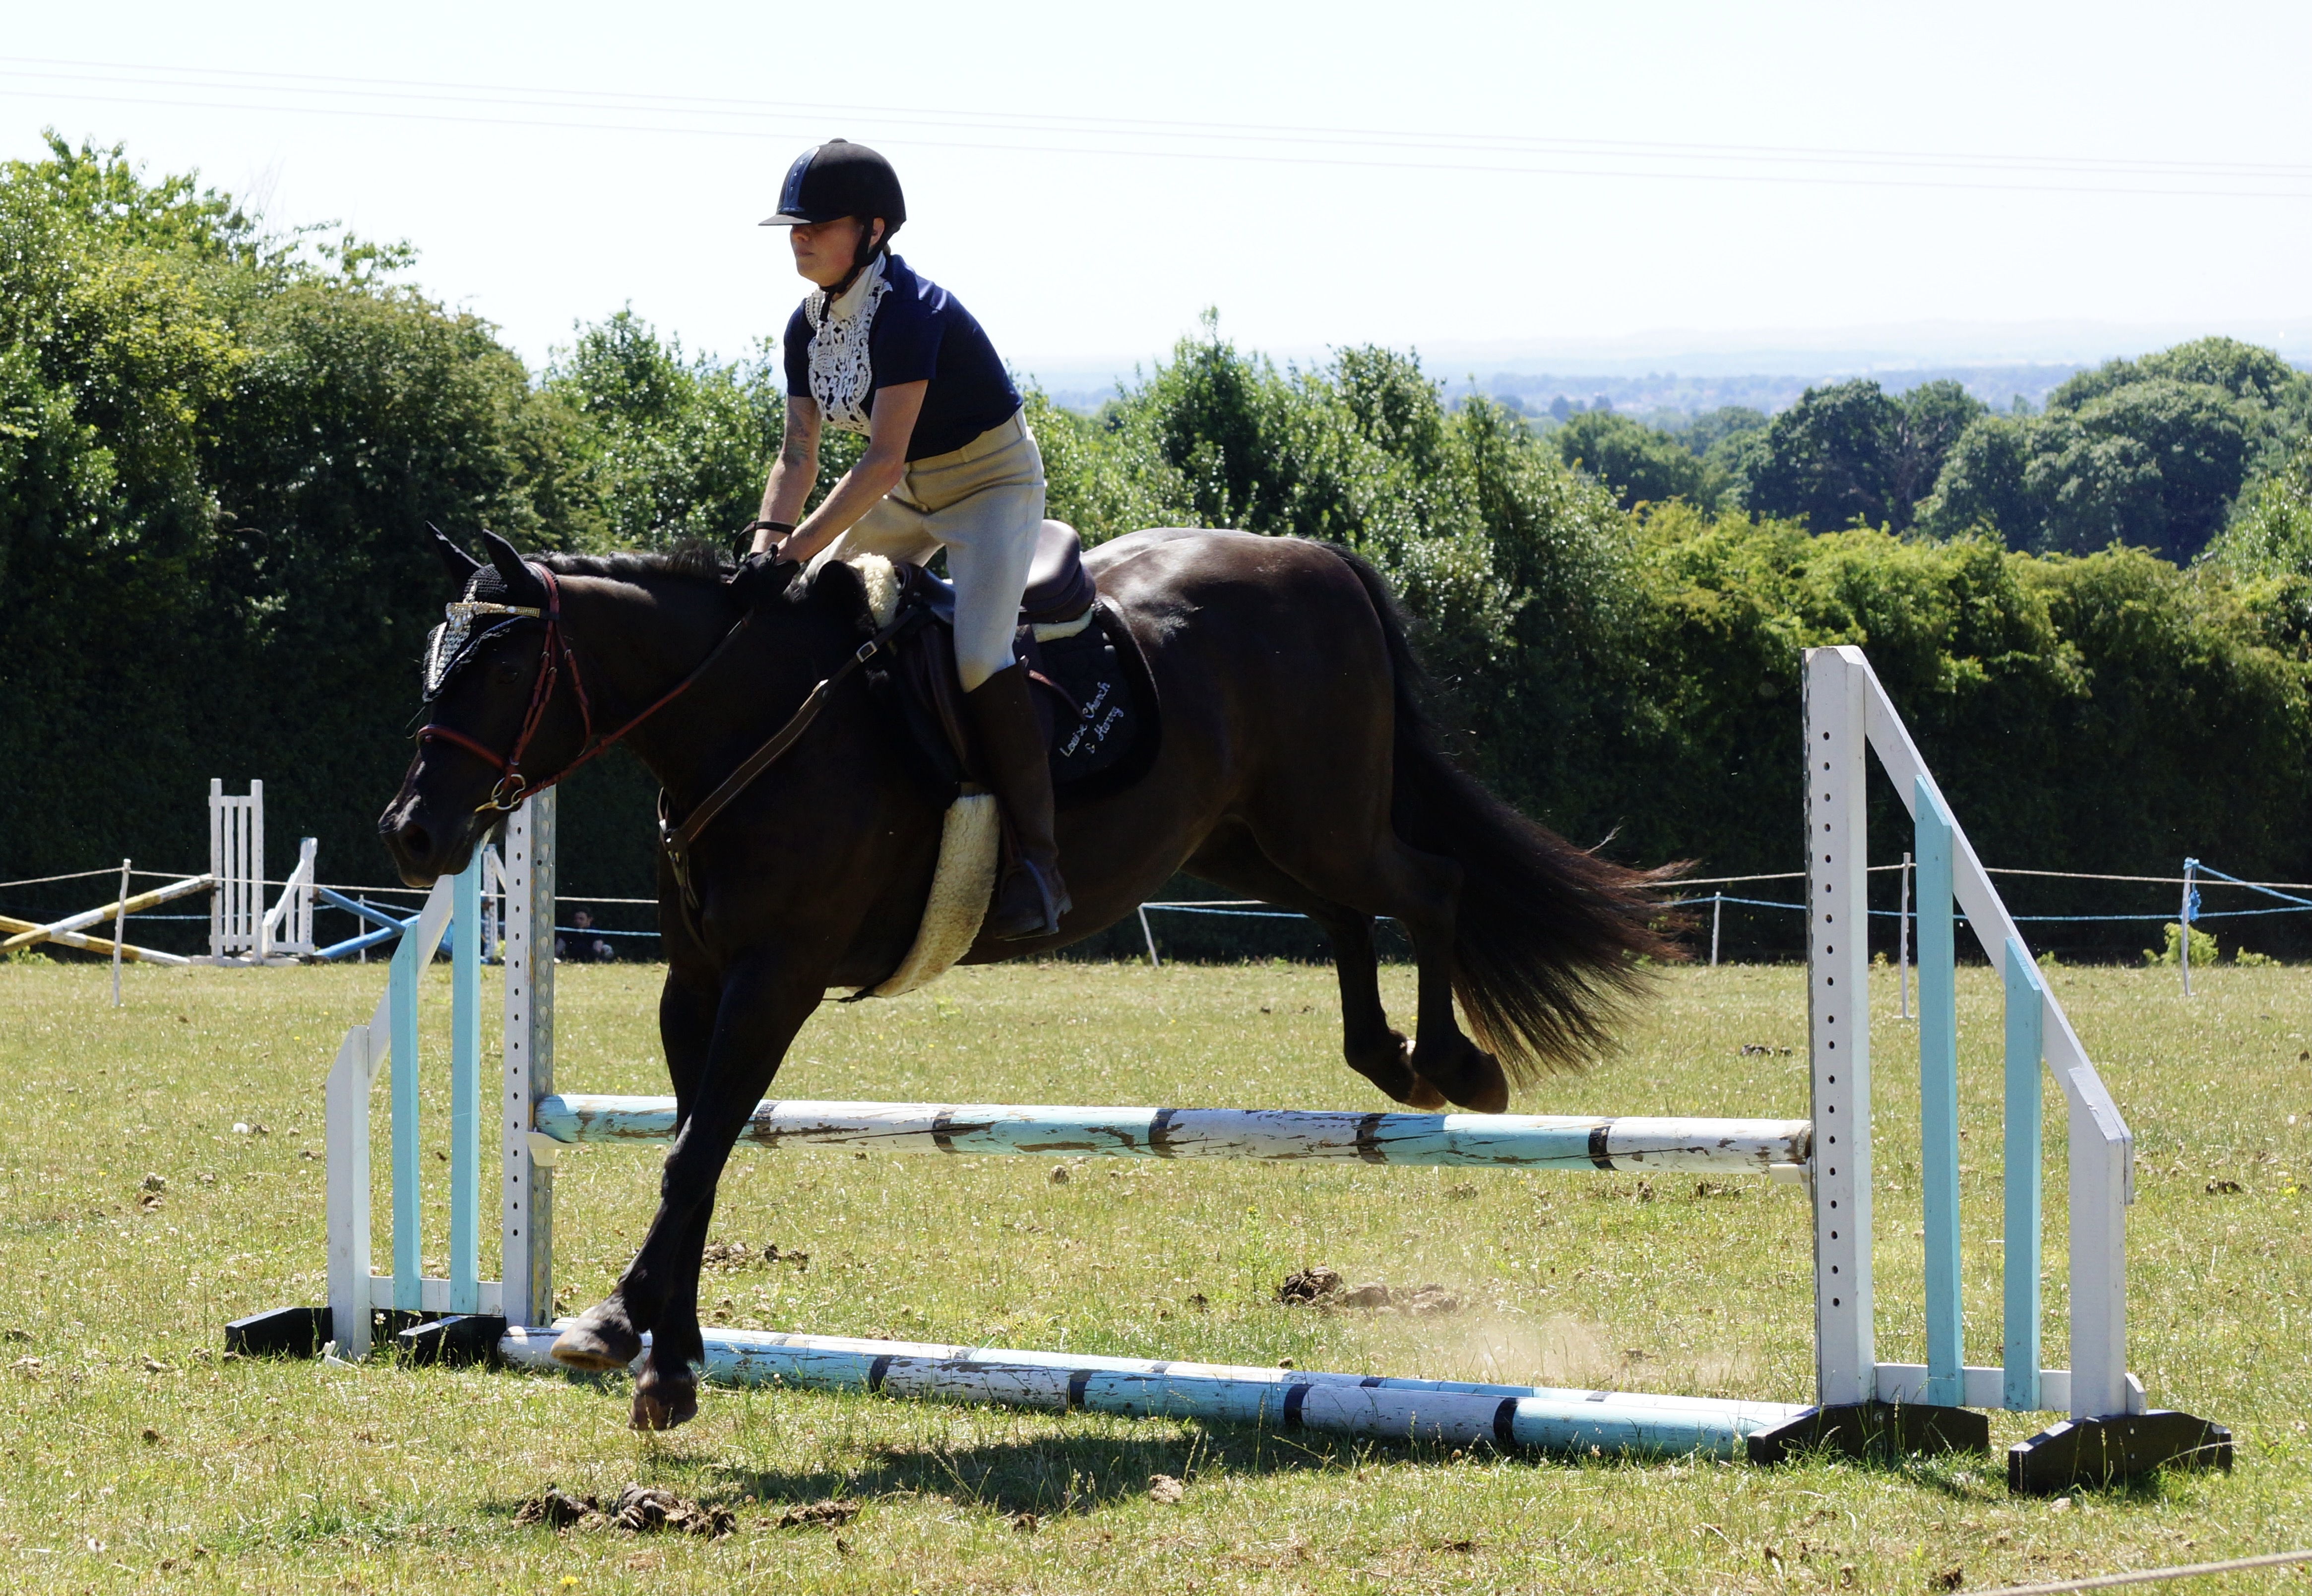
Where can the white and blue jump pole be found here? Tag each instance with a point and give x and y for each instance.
(1858, 1398)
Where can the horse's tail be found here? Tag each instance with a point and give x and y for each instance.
(1548, 944)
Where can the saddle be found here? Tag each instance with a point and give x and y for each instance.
(1093, 690)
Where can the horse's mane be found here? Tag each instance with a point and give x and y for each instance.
(694, 559)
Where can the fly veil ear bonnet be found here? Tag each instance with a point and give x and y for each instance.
(486, 609)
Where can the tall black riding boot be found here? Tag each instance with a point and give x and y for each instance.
(1030, 898)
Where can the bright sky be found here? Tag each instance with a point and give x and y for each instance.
(1974, 178)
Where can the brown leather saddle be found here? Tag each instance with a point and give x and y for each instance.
(1093, 691)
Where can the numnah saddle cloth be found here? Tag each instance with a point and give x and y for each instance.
(1092, 688)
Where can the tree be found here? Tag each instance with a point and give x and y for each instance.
(1932, 417)
(1982, 487)
(1849, 455)
(2137, 452)
(1828, 458)
(662, 448)
(1641, 464)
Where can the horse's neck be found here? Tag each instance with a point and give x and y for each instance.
(749, 691)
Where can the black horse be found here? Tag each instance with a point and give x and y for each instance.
(1296, 763)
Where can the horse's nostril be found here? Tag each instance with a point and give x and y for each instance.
(412, 839)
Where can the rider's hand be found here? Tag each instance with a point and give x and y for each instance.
(761, 577)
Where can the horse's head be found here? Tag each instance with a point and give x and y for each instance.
(504, 711)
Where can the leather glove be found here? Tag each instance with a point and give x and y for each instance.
(760, 578)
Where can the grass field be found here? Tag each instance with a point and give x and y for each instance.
(133, 1457)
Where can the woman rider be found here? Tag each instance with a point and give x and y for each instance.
(949, 464)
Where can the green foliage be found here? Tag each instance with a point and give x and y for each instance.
(217, 452)
(1642, 464)
(2150, 452)
(2203, 948)
(662, 448)
(2270, 536)
(1851, 455)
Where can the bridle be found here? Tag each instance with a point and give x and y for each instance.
(512, 786)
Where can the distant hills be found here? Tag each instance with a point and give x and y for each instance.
(1675, 373)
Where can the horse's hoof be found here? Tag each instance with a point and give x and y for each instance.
(1489, 1097)
(1424, 1096)
(590, 1344)
(662, 1404)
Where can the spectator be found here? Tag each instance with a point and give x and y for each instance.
(580, 947)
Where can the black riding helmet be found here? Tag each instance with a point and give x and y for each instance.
(841, 178)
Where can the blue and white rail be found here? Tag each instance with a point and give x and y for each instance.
(1462, 1141)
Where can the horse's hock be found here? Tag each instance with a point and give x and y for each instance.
(1860, 1405)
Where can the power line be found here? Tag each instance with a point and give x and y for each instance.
(1152, 139)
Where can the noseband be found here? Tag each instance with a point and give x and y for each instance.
(511, 787)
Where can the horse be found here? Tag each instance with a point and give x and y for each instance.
(1299, 762)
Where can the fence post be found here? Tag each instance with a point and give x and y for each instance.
(1938, 1102)
(1717, 906)
(2184, 943)
(527, 1211)
(1153, 964)
(260, 932)
(408, 963)
(1903, 941)
(2020, 1312)
(119, 920)
(464, 1089)
(216, 866)
(1838, 965)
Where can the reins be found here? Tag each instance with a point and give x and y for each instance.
(512, 787)
(677, 839)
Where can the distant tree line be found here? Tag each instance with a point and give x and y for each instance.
(2158, 453)
(219, 446)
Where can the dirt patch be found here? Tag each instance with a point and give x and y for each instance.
(1318, 1286)
(637, 1510)
(745, 1255)
(1312, 1285)
(557, 1510)
(828, 1511)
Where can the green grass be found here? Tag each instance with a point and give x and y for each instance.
(262, 1475)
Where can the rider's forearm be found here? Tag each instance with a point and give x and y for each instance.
(784, 494)
(793, 474)
(862, 486)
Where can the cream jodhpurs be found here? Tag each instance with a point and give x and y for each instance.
(984, 503)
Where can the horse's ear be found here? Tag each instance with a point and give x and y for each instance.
(521, 583)
(456, 561)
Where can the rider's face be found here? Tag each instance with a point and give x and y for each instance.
(823, 251)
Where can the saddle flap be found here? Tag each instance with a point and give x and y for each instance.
(1059, 588)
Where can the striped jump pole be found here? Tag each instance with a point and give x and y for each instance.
(1492, 1141)
(1442, 1412)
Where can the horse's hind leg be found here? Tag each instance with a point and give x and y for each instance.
(1374, 1048)
(1231, 859)
(1422, 891)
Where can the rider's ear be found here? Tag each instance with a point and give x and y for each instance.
(522, 585)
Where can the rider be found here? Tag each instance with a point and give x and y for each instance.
(950, 463)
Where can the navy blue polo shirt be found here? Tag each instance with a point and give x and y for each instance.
(922, 333)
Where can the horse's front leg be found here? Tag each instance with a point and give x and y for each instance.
(763, 1002)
